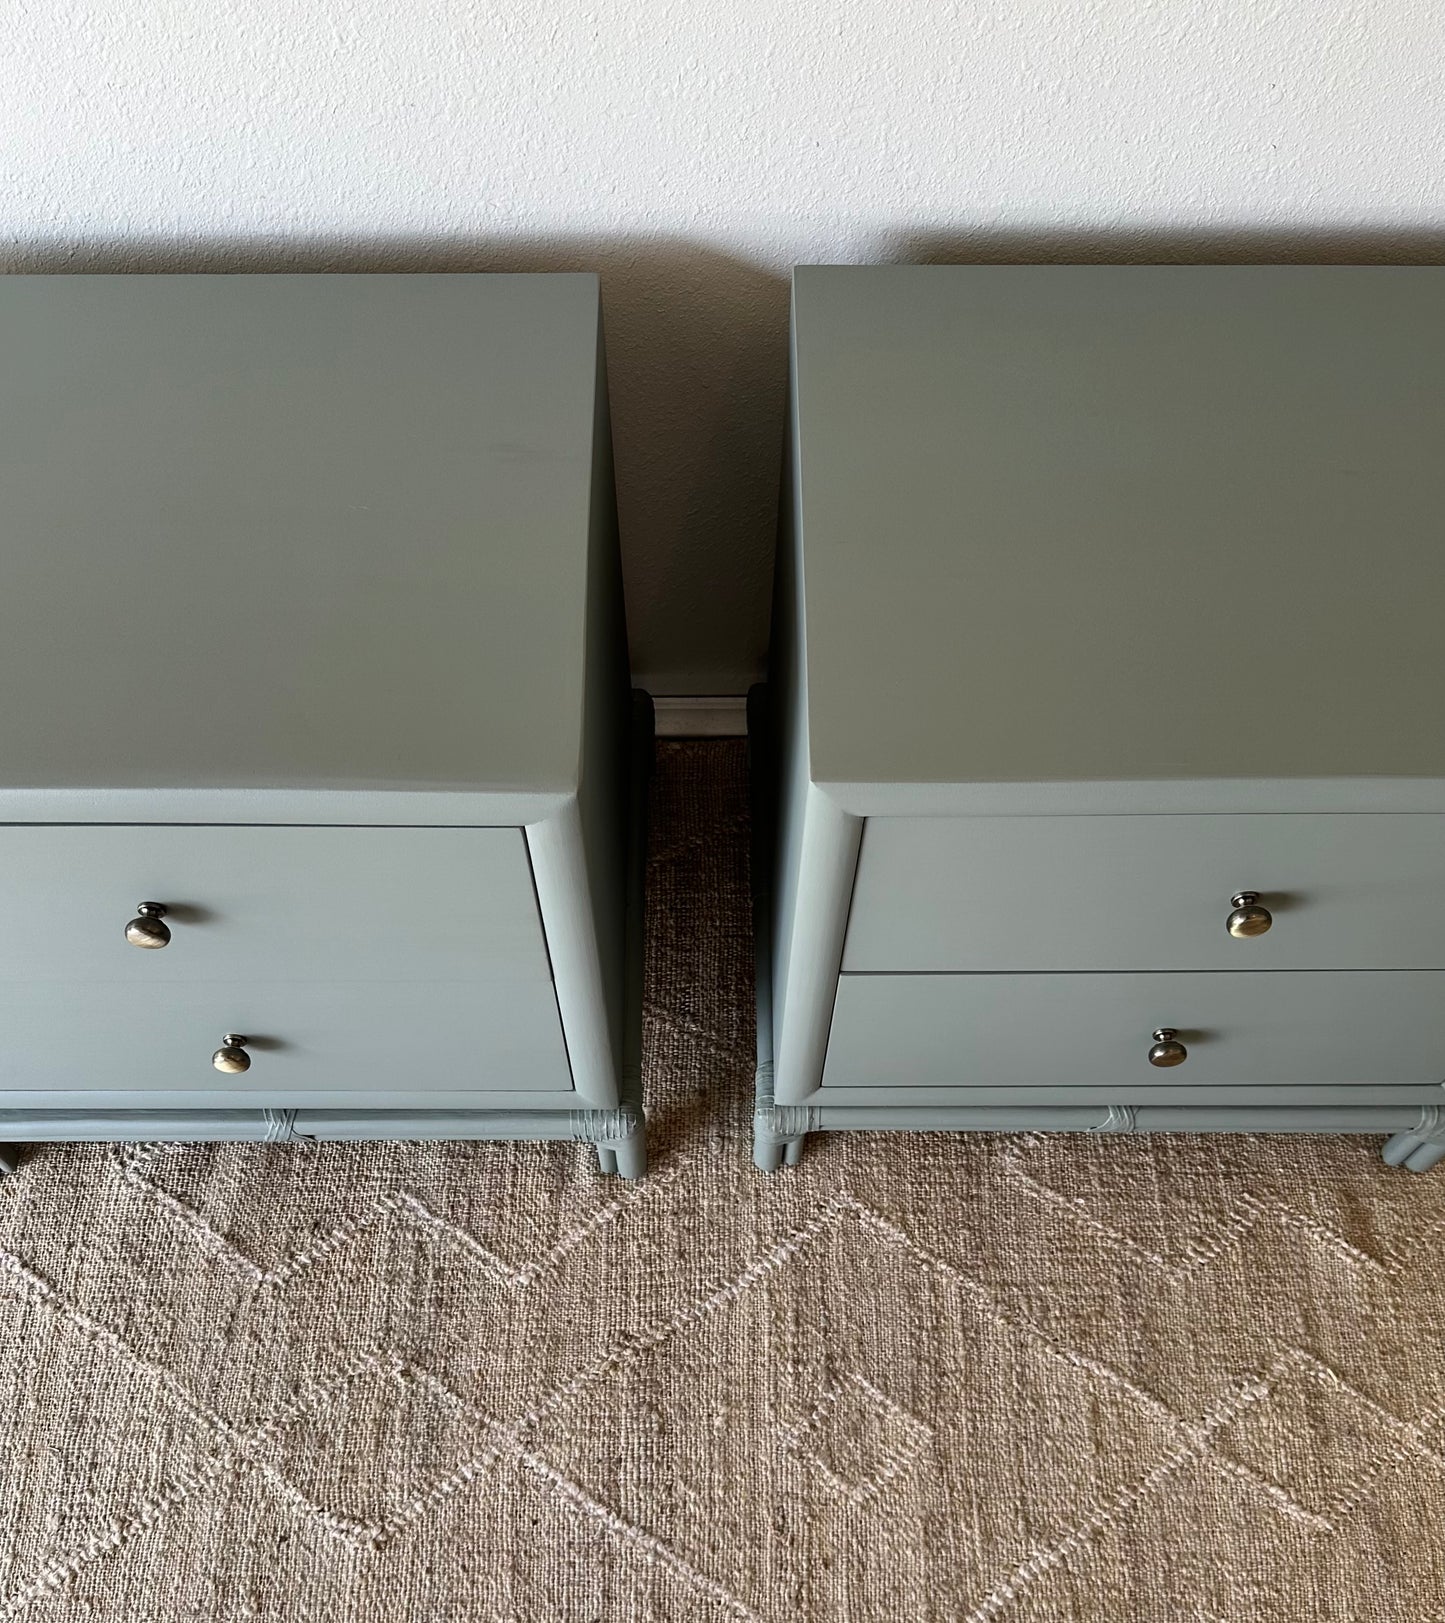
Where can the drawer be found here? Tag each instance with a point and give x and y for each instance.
(324, 904)
(1293, 1030)
(1120, 893)
(379, 1046)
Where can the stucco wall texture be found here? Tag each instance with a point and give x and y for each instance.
(692, 153)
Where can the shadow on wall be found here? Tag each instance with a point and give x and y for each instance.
(1222, 245)
(697, 360)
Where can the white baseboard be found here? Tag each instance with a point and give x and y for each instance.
(722, 715)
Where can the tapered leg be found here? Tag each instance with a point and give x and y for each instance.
(10, 1157)
(606, 1157)
(792, 1152)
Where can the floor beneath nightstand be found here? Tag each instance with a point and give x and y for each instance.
(916, 1378)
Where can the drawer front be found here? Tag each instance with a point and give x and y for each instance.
(1292, 1029)
(309, 1044)
(310, 904)
(1146, 893)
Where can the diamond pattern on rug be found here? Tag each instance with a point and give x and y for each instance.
(1056, 1379)
(1325, 1444)
(420, 1441)
(856, 1438)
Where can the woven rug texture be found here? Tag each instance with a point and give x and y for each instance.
(1054, 1379)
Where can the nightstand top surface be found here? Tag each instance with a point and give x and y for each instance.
(295, 532)
(1117, 523)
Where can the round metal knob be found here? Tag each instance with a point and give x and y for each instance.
(231, 1057)
(146, 928)
(1248, 917)
(1167, 1049)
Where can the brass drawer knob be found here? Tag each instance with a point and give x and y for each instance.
(1167, 1049)
(1248, 917)
(146, 929)
(231, 1057)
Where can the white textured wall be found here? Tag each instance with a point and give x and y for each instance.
(692, 152)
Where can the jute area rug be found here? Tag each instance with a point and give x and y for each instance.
(1039, 1380)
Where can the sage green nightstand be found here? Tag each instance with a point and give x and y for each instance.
(1107, 732)
(319, 764)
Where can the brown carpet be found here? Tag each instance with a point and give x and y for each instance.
(1033, 1380)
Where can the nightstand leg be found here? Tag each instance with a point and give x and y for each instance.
(1417, 1151)
(1429, 1154)
(767, 1153)
(619, 1137)
(1398, 1149)
(770, 1153)
(629, 1155)
(10, 1157)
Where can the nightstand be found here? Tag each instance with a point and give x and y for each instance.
(1104, 742)
(319, 764)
